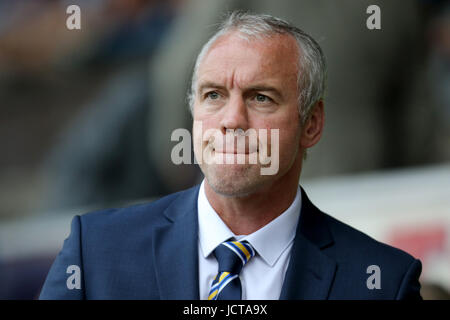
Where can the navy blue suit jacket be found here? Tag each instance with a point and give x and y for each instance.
(150, 251)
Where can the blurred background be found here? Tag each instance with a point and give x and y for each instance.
(86, 117)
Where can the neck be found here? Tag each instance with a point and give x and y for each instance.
(245, 215)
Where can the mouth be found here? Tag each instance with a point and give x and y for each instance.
(234, 152)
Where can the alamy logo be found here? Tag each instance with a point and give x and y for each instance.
(374, 20)
(374, 281)
(74, 280)
(234, 147)
(74, 20)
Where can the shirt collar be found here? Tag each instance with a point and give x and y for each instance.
(212, 230)
(269, 242)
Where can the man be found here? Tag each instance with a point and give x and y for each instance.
(244, 233)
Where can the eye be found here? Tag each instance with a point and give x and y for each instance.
(262, 98)
(213, 95)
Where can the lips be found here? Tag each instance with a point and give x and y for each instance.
(233, 152)
(221, 152)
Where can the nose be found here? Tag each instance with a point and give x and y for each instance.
(235, 115)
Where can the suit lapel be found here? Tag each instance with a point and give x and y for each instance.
(310, 272)
(175, 249)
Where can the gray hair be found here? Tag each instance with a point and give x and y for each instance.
(312, 66)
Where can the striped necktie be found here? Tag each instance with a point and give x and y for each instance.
(231, 256)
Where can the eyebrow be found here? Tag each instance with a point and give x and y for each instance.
(209, 85)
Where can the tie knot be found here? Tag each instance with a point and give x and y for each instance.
(233, 255)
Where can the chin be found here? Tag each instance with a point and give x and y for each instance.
(235, 180)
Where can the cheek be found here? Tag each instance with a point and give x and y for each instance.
(202, 130)
(288, 127)
(288, 138)
(208, 120)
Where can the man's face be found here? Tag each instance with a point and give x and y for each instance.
(246, 85)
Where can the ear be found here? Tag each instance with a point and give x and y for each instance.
(313, 128)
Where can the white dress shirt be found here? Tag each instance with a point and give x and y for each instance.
(262, 277)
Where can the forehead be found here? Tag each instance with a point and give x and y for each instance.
(250, 59)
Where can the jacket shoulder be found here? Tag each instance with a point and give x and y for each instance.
(357, 241)
(121, 228)
(362, 259)
(151, 212)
